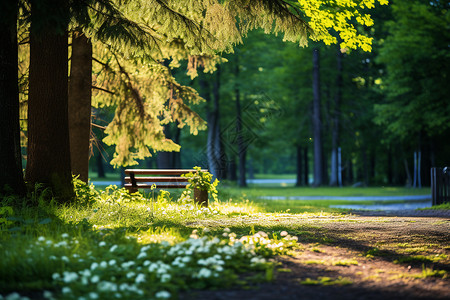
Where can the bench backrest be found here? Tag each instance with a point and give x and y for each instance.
(161, 178)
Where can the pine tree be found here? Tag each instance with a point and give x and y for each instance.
(10, 157)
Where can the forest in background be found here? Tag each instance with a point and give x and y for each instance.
(386, 111)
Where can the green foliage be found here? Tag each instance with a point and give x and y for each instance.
(417, 61)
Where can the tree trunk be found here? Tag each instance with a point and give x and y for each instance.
(232, 170)
(299, 181)
(242, 151)
(100, 168)
(317, 122)
(11, 174)
(306, 166)
(216, 153)
(48, 127)
(408, 173)
(80, 93)
(336, 115)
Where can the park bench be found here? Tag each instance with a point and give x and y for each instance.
(162, 179)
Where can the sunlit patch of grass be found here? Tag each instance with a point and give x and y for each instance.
(325, 281)
(345, 262)
(444, 206)
(421, 259)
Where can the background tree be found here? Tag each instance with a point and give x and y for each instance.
(11, 174)
(48, 131)
(416, 109)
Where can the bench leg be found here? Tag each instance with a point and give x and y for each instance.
(132, 189)
(201, 197)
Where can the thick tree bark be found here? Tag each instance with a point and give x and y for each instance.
(336, 116)
(317, 121)
(80, 94)
(11, 174)
(48, 128)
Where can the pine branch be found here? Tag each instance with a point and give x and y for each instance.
(134, 93)
(103, 90)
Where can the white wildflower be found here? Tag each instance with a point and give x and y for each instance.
(93, 295)
(113, 248)
(204, 273)
(165, 278)
(13, 296)
(141, 255)
(47, 294)
(41, 239)
(94, 266)
(66, 290)
(162, 295)
(112, 262)
(70, 276)
(140, 278)
(65, 235)
(106, 286)
(103, 264)
(95, 279)
(56, 276)
(131, 274)
(226, 229)
(102, 244)
(283, 233)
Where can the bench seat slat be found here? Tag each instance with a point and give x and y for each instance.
(158, 186)
(159, 172)
(157, 179)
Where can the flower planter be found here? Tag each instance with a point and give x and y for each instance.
(201, 197)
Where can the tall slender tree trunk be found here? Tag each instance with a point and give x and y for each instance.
(10, 157)
(48, 126)
(317, 121)
(306, 166)
(80, 94)
(299, 152)
(100, 167)
(336, 116)
(242, 151)
(218, 149)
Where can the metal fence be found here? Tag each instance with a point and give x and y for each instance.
(440, 185)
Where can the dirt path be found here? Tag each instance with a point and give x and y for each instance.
(362, 256)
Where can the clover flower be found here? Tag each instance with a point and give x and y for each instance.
(140, 278)
(203, 273)
(106, 286)
(69, 276)
(162, 295)
(283, 233)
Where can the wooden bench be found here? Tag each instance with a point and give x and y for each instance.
(162, 179)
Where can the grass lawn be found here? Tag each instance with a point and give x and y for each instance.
(115, 245)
